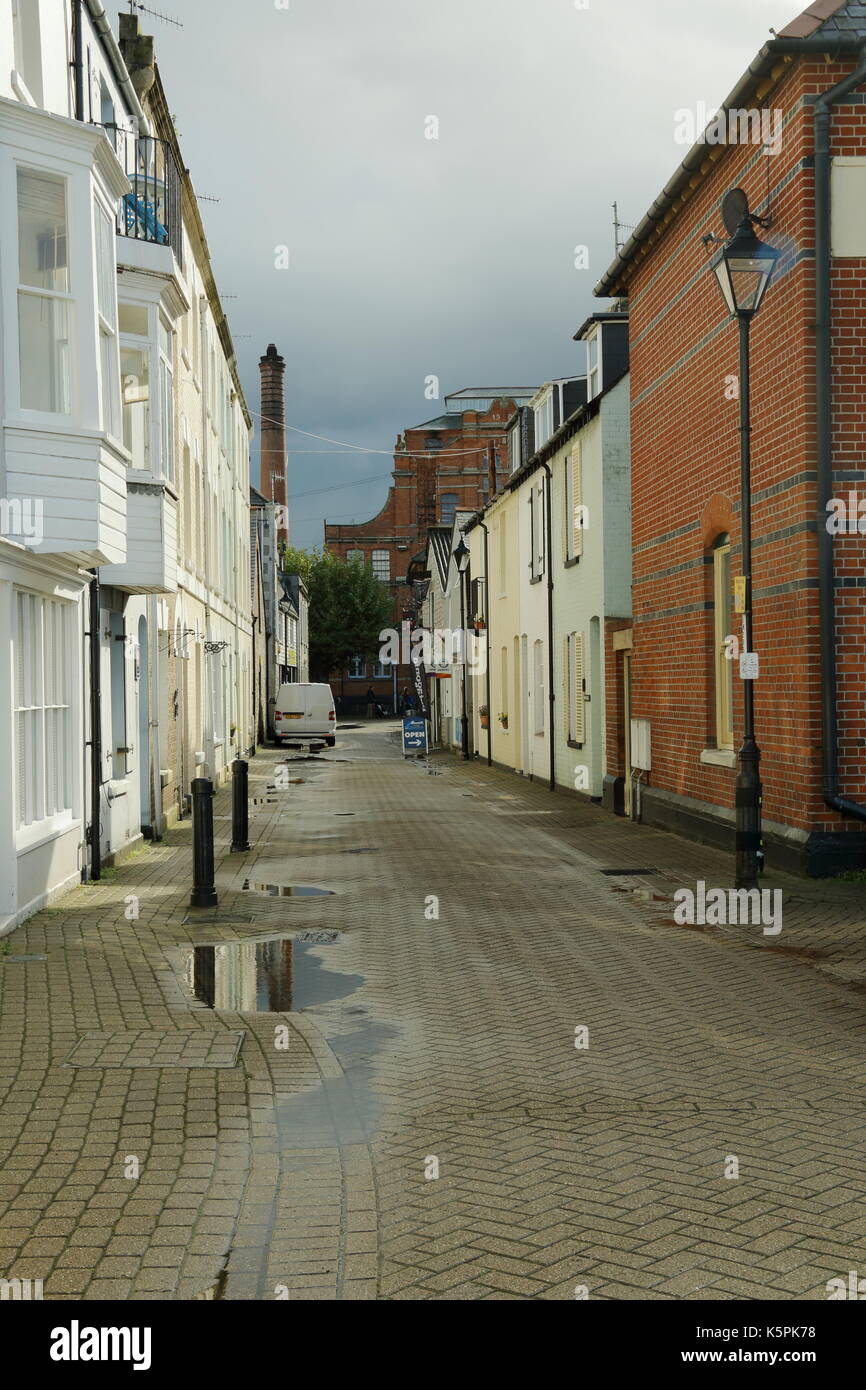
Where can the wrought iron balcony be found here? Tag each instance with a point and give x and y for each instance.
(151, 210)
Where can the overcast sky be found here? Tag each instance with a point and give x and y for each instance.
(412, 257)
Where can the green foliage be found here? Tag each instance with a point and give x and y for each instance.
(349, 607)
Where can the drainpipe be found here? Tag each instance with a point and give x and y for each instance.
(78, 59)
(95, 732)
(100, 23)
(487, 634)
(824, 431)
(551, 697)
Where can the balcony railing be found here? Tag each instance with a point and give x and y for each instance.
(151, 211)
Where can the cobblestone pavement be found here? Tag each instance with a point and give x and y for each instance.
(427, 1017)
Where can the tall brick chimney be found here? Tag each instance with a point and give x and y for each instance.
(273, 480)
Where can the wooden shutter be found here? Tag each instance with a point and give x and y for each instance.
(578, 674)
(576, 501)
(566, 682)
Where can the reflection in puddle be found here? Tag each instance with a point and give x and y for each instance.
(265, 976)
(284, 890)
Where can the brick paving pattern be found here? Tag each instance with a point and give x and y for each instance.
(420, 1037)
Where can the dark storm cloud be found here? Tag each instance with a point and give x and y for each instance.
(412, 257)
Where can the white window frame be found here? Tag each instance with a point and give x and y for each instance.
(357, 669)
(166, 400)
(538, 688)
(33, 613)
(106, 320)
(64, 348)
(593, 364)
(376, 559)
(723, 675)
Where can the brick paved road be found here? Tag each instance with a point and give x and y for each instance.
(147, 1164)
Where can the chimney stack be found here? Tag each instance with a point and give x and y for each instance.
(273, 479)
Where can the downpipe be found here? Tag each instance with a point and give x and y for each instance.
(824, 434)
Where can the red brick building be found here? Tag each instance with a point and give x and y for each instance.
(451, 463)
(808, 414)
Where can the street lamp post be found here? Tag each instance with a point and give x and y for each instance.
(743, 269)
(461, 555)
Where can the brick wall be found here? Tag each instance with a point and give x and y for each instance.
(685, 475)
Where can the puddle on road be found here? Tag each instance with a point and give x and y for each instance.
(286, 890)
(275, 977)
(341, 1110)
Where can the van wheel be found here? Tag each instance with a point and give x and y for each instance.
(331, 742)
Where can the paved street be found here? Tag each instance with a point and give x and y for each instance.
(475, 998)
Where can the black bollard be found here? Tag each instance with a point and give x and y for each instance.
(203, 890)
(240, 806)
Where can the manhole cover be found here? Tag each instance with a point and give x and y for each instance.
(318, 938)
(157, 1048)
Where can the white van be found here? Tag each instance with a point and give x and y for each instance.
(305, 714)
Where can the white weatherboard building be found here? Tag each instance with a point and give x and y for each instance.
(124, 461)
(555, 573)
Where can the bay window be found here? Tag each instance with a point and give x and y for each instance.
(45, 305)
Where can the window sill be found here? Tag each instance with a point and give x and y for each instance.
(569, 564)
(40, 832)
(719, 757)
(572, 744)
(537, 579)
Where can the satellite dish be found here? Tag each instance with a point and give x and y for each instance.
(735, 206)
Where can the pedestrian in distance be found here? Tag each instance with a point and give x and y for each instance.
(371, 702)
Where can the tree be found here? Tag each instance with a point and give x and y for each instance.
(349, 607)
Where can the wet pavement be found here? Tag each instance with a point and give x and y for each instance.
(479, 1060)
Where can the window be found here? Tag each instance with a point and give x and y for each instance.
(106, 304)
(27, 46)
(44, 301)
(536, 530)
(575, 707)
(538, 687)
(356, 555)
(514, 449)
(573, 514)
(382, 670)
(120, 766)
(357, 669)
(544, 421)
(724, 676)
(448, 504)
(44, 674)
(166, 404)
(593, 364)
(382, 565)
(503, 682)
(503, 553)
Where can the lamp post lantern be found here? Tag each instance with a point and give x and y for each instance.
(461, 556)
(743, 268)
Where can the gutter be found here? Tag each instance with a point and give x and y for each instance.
(824, 441)
(613, 281)
(78, 59)
(104, 30)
